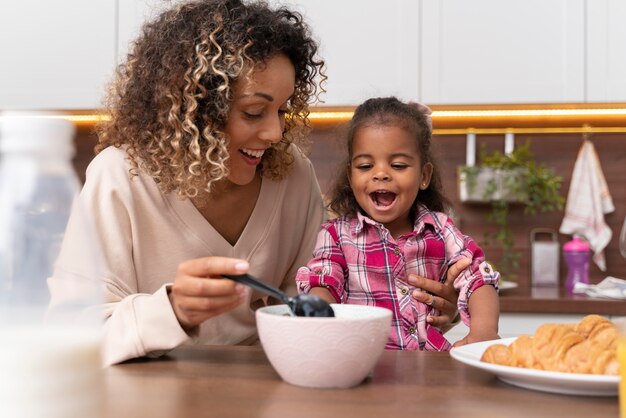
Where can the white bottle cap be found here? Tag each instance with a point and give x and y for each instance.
(39, 132)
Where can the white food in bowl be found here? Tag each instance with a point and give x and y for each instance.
(334, 352)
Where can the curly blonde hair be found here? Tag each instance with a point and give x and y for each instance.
(169, 101)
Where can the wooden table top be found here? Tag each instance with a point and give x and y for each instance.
(554, 300)
(232, 381)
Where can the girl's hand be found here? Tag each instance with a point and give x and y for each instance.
(477, 336)
(441, 296)
(199, 292)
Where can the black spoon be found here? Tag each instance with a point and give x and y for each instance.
(301, 305)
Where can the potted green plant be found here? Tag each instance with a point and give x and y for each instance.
(505, 179)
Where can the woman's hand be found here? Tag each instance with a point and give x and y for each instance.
(441, 296)
(199, 292)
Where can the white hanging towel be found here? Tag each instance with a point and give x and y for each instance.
(588, 200)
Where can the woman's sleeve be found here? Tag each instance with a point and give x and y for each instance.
(95, 268)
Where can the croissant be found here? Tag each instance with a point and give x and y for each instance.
(589, 346)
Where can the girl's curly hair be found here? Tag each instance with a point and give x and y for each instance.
(389, 111)
(169, 102)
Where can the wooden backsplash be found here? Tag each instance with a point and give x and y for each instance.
(557, 151)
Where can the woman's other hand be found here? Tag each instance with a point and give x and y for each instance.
(199, 292)
(441, 296)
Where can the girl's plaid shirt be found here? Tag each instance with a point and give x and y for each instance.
(359, 262)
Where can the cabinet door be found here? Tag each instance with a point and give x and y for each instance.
(606, 55)
(494, 51)
(55, 54)
(132, 15)
(370, 47)
(514, 325)
(372, 55)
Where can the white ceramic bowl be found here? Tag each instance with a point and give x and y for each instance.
(334, 352)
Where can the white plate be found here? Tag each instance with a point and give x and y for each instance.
(504, 285)
(556, 382)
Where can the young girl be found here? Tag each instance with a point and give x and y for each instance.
(392, 225)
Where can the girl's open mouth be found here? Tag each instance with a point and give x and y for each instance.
(383, 199)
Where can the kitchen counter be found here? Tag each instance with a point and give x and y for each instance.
(232, 381)
(545, 300)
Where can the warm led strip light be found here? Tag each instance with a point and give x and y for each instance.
(334, 116)
(527, 112)
(322, 115)
(516, 121)
(87, 118)
(500, 131)
(330, 116)
(78, 119)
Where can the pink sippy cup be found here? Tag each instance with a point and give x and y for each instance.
(577, 254)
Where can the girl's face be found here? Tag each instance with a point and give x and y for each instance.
(386, 174)
(256, 119)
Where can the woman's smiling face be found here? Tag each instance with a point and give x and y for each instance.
(256, 119)
(386, 173)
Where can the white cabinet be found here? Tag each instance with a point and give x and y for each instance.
(371, 48)
(376, 53)
(56, 54)
(606, 54)
(60, 54)
(493, 51)
(514, 324)
(132, 15)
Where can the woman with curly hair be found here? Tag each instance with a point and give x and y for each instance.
(200, 172)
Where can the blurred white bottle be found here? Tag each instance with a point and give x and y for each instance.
(46, 369)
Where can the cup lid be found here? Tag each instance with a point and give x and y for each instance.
(577, 243)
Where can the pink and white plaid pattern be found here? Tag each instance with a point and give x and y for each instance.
(359, 262)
